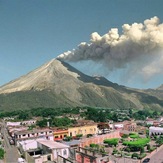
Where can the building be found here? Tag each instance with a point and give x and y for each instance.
(84, 130)
(130, 126)
(155, 131)
(28, 123)
(141, 129)
(59, 134)
(33, 134)
(84, 155)
(149, 121)
(47, 150)
(118, 126)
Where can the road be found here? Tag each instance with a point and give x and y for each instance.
(123, 160)
(11, 152)
(157, 157)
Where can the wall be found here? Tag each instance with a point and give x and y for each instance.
(99, 139)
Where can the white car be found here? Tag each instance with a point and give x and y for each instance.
(21, 160)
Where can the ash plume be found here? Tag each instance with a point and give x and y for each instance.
(139, 49)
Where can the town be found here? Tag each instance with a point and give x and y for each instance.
(79, 136)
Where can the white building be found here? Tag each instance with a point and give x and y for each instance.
(155, 130)
(33, 134)
(28, 123)
(47, 150)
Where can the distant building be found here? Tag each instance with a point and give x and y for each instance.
(155, 131)
(32, 134)
(28, 123)
(130, 126)
(118, 126)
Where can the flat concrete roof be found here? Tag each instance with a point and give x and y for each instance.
(52, 144)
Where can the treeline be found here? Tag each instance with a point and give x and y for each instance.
(91, 113)
(40, 112)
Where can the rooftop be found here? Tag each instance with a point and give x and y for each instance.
(52, 144)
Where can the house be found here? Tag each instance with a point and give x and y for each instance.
(149, 121)
(59, 134)
(47, 150)
(155, 131)
(118, 126)
(141, 129)
(28, 123)
(33, 134)
(130, 126)
(84, 130)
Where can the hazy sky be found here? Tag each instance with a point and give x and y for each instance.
(33, 32)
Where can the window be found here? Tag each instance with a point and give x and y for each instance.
(24, 135)
(65, 152)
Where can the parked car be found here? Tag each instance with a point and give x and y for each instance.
(21, 160)
(146, 160)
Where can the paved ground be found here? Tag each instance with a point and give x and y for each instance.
(157, 157)
(11, 155)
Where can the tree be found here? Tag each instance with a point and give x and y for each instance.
(115, 117)
(23, 115)
(155, 114)
(2, 153)
(42, 123)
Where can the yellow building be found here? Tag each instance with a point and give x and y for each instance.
(60, 134)
(84, 130)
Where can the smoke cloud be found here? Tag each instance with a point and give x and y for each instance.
(139, 49)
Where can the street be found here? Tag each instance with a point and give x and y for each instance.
(11, 152)
(157, 157)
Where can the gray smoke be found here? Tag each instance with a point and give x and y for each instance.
(139, 49)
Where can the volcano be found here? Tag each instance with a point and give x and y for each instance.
(58, 84)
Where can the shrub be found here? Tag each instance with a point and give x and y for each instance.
(114, 151)
(127, 149)
(125, 136)
(148, 147)
(113, 141)
(137, 143)
(67, 138)
(89, 135)
(142, 150)
(79, 135)
(94, 145)
(134, 135)
(2, 153)
(142, 155)
(135, 155)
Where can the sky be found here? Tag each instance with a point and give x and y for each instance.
(32, 32)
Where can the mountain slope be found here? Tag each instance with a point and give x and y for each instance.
(57, 84)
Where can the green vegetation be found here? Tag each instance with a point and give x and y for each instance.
(79, 135)
(68, 138)
(159, 140)
(125, 136)
(134, 135)
(92, 113)
(111, 142)
(89, 135)
(137, 144)
(2, 153)
(55, 122)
